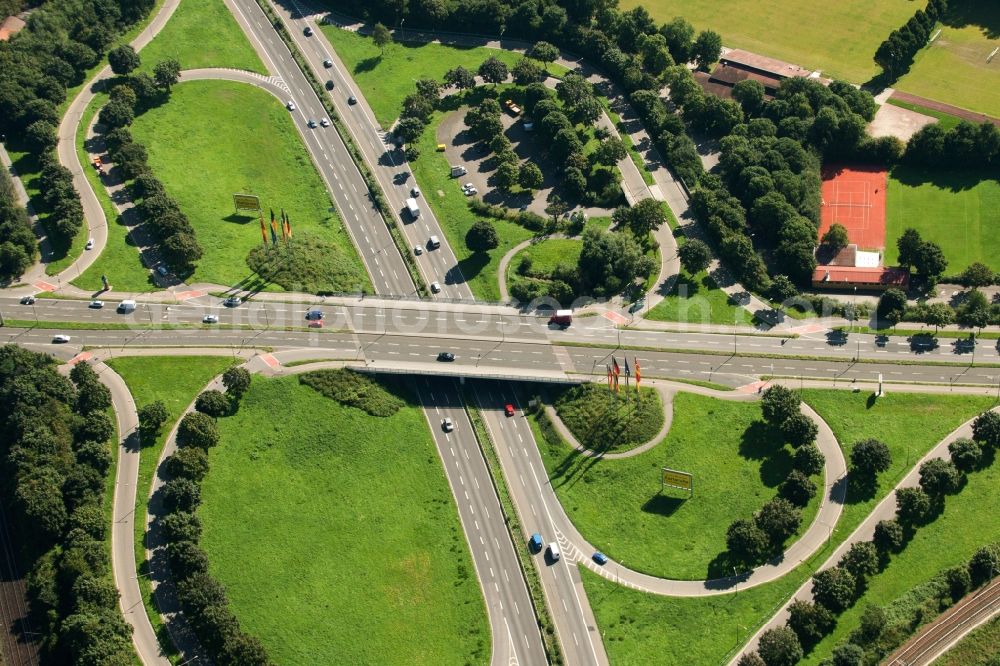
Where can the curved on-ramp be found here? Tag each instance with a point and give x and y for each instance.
(816, 536)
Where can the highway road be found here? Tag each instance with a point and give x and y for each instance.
(516, 636)
(567, 600)
(343, 180)
(384, 160)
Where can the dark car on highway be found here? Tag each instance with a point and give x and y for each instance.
(446, 356)
(314, 315)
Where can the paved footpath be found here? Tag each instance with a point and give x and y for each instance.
(885, 510)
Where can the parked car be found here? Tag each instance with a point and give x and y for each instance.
(324, 122)
(314, 315)
(600, 558)
(27, 300)
(89, 245)
(232, 301)
(290, 105)
(469, 189)
(162, 270)
(508, 409)
(96, 305)
(446, 356)
(535, 542)
(638, 305)
(60, 338)
(210, 319)
(447, 425)
(328, 63)
(435, 287)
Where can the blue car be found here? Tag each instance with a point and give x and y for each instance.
(535, 542)
(314, 315)
(600, 558)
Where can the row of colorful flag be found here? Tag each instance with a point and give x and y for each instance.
(285, 225)
(615, 371)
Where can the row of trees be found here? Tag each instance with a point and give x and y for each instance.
(973, 310)
(965, 146)
(60, 44)
(837, 588)
(55, 443)
(752, 541)
(895, 54)
(17, 241)
(203, 598)
(161, 215)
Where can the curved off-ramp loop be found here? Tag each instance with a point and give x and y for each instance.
(885, 510)
(93, 213)
(576, 547)
(667, 397)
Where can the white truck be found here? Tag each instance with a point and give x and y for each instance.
(126, 307)
(413, 208)
(458, 171)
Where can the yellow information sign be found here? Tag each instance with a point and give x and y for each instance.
(246, 202)
(676, 479)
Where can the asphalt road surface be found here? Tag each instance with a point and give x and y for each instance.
(343, 180)
(385, 161)
(567, 600)
(516, 637)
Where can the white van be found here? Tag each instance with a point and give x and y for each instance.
(554, 551)
(434, 243)
(457, 171)
(126, 306)
(411, 205)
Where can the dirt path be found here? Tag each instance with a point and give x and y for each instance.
(964, 114)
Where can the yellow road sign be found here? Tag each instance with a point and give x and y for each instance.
(676, 479)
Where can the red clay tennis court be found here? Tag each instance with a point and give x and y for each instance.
(855, 198)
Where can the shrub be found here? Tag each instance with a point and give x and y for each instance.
(834, 588)
(353, 390)
(848, 654)
(779, 647)
(913, 505)
(750, 659)
(798, 488)
(809, 460)
(959, 582)
(966, 454)
(985, 564)
(888, 536)
(940, 477)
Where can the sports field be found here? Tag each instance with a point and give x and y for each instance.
(960, 211)
(855, 198)
(838, 38)
(953, 68)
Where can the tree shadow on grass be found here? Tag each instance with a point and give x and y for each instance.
(470, 267)
(951, 180)
(368, 64)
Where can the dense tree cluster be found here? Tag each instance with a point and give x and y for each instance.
(17, 242)
(60, 43)
(203, 598)
(965, 146)
(895, 54)
(54, 441)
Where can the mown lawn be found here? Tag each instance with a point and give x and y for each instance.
(119, 260)
(967, 522)
(953, 68)
(202, 33)
(546, 255)
(697, 299)
(175, 380)
(641, 628)
(336, 535)
(216, 138)
(958, 210)
(836, 37)
(619, 506)
(386, 78)
(605, 421)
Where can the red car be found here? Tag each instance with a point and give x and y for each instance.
(508, 410)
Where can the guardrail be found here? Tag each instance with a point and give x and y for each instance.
(458, 372)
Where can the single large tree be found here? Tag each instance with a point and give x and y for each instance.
(694, 255)
(779, 647)
(834, 588)
(482, 236)
(236, 380)
(870, 457)
(778, 403)
(382, 37)
(707, 48)
(123, 59)
(167, 73)
(493, 70)
(460, 78)
(544, 52)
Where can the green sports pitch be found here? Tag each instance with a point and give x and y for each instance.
(960, 211)
(838, 38)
